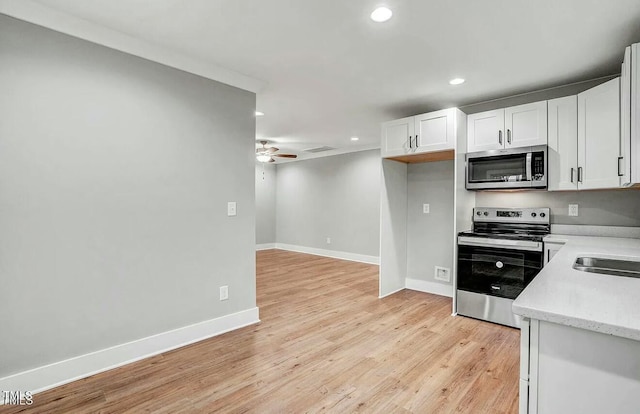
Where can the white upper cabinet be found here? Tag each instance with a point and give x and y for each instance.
(599, 136)
(485, 131)
(563, 143)
(526, 125)
(435, 131)
(630, 117)
(518, 126)
(584, 139)
(397, 137)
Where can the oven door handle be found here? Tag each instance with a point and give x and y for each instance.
(501, 243)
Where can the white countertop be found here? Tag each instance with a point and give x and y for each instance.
(601, 303)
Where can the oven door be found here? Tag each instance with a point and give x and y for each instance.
(497, 267)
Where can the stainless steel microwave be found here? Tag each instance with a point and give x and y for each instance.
(514, 168)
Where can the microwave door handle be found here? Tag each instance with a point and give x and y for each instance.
(528, 165)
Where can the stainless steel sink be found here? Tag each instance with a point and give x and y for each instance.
(614, 267)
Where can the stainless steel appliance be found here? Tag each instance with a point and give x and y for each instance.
(517, 168)
(497, 259)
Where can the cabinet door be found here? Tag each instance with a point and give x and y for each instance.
(526, 125)
(485, 131)
(435, 131)
(563, 143)
(585, 372)
(625, 119)
(635, 113)
(397, 137)
(599, 136)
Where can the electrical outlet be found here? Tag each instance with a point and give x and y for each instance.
(328, 240)
(224, 292)
(573, 210)
(425, 208)
(231, 208)
(442, 273)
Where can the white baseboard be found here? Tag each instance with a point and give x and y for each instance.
(59, 373)
(354, 257)
(429, 287)
(265, 246)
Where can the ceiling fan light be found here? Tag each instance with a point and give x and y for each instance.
(263, 157)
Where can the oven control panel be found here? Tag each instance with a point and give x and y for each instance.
(512, 215)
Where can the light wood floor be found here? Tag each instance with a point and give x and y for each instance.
(326, 343)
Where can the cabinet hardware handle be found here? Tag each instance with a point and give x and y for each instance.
(410, 142)
(579, 174)
(619, 173)
(571, 174)
(416, 140)
(500, 136)
(509, 136)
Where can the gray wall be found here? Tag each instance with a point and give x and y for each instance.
(265, 203)
(336, 197)
(598, 208)
(115, 174)
(430, 236)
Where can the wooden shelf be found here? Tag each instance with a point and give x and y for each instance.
(425, 157)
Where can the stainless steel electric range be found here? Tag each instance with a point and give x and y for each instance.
(498, 259)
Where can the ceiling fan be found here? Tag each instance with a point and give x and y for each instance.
(265, 154)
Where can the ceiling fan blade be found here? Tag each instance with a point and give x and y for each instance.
(271, 149)
(285, 155)
(272, 160)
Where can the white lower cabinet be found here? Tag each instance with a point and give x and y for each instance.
(584, 139)
(570, 370)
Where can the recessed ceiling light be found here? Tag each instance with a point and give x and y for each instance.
(258, 113)
(354, 138)
(381, 14)
(456, 81)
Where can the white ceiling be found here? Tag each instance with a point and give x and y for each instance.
(331, 73)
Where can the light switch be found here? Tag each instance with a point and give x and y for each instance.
(231, 208)
(425, 208)
(224, 292)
